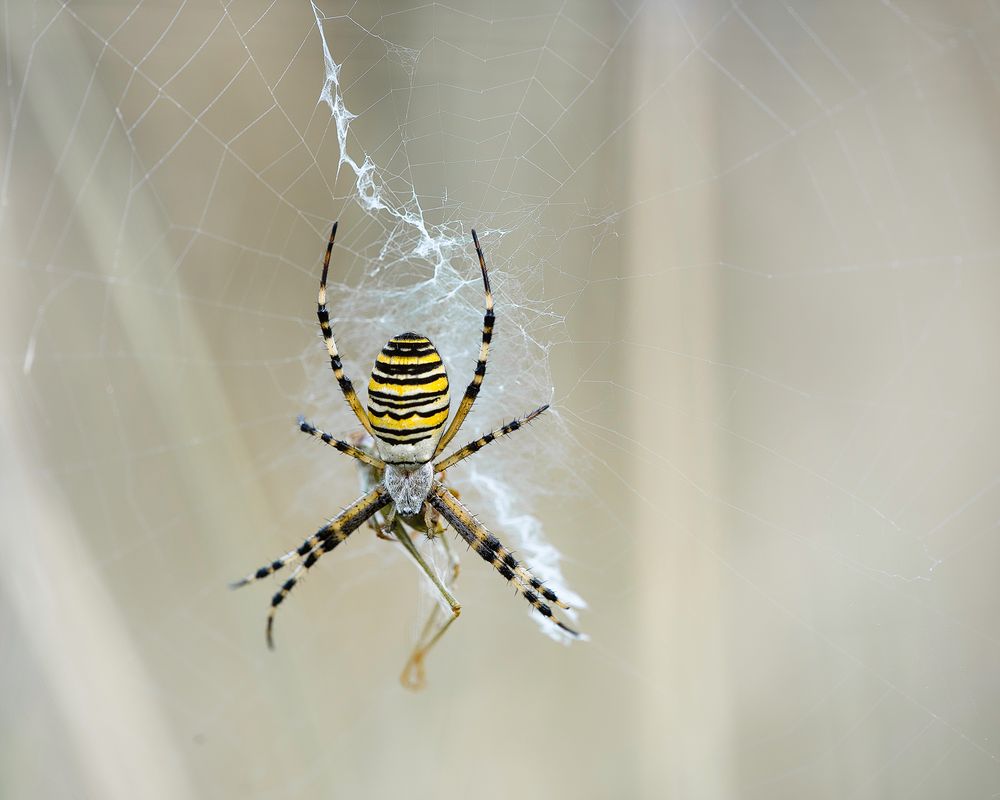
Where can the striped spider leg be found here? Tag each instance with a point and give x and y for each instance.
(331, 346)
(316, 546)
(472, 390)
(491, 550)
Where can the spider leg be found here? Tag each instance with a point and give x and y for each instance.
(480, 443)
(274, 566)
(521, 574)
(484, 351)
(306, 427)
(320, 543)
(491, 550)
(331, 346)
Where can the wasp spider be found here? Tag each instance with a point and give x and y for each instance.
(408, 406)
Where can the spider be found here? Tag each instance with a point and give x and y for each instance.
(408, 407)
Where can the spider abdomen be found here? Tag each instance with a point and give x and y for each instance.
(408, 400)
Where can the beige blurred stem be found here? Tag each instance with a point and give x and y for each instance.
(685, 715)
(80, 643)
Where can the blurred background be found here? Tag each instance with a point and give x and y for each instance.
(749, 253)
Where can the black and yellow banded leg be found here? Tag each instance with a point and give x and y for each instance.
(484, 351)
(479, 444)
(414, 675)
(320, 543)
(282, 593)
(499, 556)
(274, 566)
(325, 546)
(492, 551)
(331, 346)
(307, 427)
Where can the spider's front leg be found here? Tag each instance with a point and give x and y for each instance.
(323, 314)
(472, 390)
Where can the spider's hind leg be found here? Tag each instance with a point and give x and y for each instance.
(269, 569)
(312, 549)
(491, 550)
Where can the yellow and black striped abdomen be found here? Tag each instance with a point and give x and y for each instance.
(408, 399)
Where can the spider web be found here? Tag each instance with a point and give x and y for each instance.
(747, 251)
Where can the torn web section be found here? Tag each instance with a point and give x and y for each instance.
(405, 261)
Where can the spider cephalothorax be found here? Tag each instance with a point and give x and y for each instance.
(408, 405)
